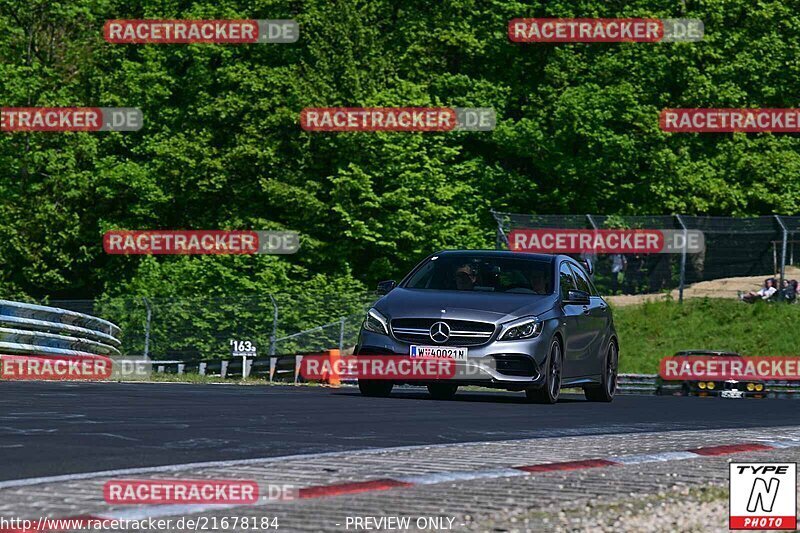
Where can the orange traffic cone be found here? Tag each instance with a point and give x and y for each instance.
(333, 379)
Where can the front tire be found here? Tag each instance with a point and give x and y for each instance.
(375, 388)
(548, 393)
(607, 389)
(442, 391)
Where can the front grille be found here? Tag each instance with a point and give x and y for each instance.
(462, 332)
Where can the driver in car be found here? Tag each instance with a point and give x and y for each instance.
(538, 283)
(465, 278)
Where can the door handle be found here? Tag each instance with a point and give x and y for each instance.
(586, 310)
(603, 307)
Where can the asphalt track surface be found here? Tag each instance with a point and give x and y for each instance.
(49, 429)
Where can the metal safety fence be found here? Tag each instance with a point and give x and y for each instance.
(649, 384)
(286, 368)
(734, 247)
(205, 328)
(29, 329)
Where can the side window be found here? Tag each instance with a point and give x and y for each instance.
(594, 292)
(581, 280)
(566, 281)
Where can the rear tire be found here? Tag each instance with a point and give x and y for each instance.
(442, 391)
(375, 388)
(548, 393)
(607, 389)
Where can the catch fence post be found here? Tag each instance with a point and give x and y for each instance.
(683, 258)
(591, 255)
(500, 235)
(341, 334)
(273, 361)
(783, 256)
(147, 327)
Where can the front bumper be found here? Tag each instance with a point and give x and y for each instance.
(515, 364)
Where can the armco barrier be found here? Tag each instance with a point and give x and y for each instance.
(637, 383)
(288, 364)
(28, 329)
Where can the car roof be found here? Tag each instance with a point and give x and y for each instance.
(502, 253)
(709, 352)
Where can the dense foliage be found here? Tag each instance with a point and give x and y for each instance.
(222, 149)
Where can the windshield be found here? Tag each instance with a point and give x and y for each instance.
(482, 273)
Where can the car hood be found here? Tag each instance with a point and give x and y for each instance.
(462, 305)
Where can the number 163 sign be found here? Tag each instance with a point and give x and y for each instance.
(242, 348)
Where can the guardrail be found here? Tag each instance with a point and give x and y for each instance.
(274, 367)
(637, 383)
(646, 384)
(287, 365)
(29, 329)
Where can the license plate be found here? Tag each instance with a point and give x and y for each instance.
(439, 352)
(732, 394)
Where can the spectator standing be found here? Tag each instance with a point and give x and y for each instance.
(618, 265)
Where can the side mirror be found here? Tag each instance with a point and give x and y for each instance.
(384, 287)
(577, 297)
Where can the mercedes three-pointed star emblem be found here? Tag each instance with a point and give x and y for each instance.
(440, 332)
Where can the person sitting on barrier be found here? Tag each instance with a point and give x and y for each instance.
(765, 293)
(790, 293)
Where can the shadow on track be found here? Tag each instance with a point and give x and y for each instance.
(470, 397)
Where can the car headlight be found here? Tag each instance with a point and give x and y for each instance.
(711, 385)
(702, 385)
(759, 387)
(523, 328)
(376, 322)
(751, 386)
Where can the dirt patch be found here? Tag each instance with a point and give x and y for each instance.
(717, 288)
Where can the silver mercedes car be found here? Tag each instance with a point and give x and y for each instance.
(510, 320)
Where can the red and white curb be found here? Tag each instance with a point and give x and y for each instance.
(358, 487)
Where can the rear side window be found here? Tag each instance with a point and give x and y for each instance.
(581, 280)
(566, 280)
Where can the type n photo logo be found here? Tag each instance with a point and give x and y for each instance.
(763, 496)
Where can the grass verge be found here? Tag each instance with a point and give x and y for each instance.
(654, 330)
